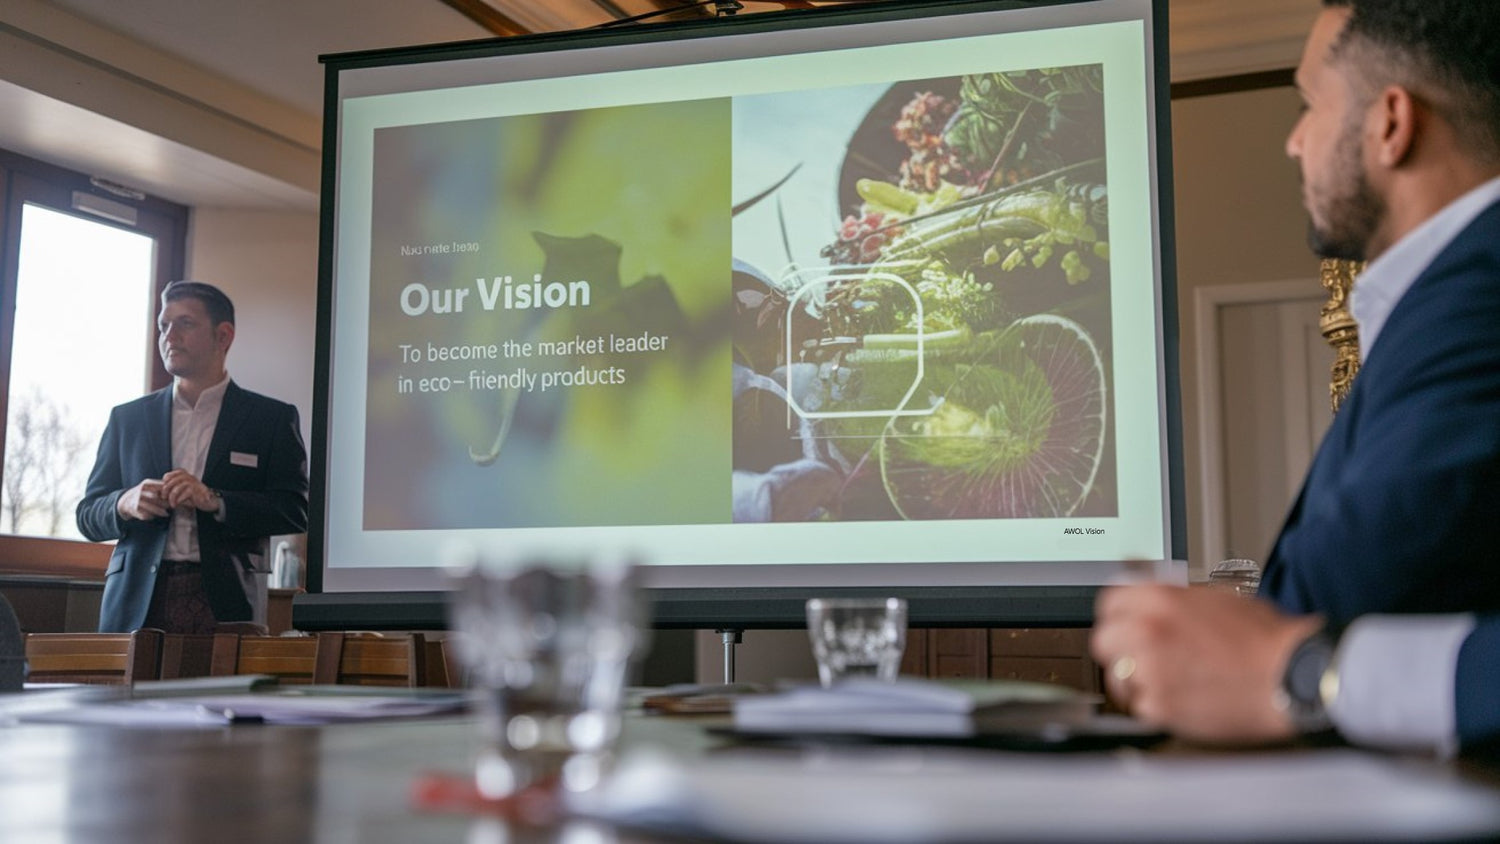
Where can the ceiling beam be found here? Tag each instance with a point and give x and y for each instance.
(487, 16)
(612, 9)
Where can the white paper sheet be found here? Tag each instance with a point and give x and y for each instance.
(912, 795)
(269, 708)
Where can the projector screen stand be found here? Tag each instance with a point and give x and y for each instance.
(730, 637)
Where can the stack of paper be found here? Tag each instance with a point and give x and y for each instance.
(913, 708)
(902, 795)
(217, 701)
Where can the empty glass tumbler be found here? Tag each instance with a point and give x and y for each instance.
(549, 648)
(852, 637)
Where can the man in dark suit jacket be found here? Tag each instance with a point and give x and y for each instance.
(193, 480)
(1399, 507)
(1400, 158)
(1399, 147)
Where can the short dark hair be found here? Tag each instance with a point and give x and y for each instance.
(218, 306)
(1447, 51)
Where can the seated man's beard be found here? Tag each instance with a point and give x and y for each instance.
(1353, 213)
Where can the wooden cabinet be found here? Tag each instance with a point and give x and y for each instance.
(1049, 655)
(53, 604)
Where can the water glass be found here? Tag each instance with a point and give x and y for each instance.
(549, 649)
(857, 637)
(1240, 576)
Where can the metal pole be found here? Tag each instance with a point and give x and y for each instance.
(730, 639)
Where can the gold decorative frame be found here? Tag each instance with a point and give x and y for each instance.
(1338, 326)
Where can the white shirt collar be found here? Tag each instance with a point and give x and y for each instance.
(1388, 277)
(213, 396)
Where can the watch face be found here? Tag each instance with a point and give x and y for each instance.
(1304, 675)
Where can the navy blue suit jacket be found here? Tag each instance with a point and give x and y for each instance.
(257, 463)
(1478, 686)
(1401, 507)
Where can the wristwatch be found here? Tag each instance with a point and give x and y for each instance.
(1309, 682)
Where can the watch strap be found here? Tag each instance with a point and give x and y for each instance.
(1309, 681)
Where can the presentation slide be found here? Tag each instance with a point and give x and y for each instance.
(893, 304)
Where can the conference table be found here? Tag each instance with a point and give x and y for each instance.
(358, 783)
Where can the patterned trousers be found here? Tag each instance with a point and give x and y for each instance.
(178, 603)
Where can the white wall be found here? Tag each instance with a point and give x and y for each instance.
(267, 261)
(1239, 221)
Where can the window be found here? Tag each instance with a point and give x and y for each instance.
(81, 264)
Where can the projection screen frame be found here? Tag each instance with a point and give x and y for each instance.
(1026, 604)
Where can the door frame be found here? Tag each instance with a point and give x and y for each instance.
(1208, 301)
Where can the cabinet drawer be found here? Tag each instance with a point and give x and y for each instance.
(957, 641)
(1038, 641)
(1074, 673)
(959, 667)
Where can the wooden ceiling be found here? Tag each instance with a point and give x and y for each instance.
(520, 17)
(219, 103)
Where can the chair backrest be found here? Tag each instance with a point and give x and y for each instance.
(444, 668)
(328, 658)
(365, 660)
(186, 655)
(292, 660)
(105, 658)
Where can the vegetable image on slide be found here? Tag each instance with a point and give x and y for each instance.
(922, 300)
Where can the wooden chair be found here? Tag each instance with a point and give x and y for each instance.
(186, 655)
(444, 668)
(330, 657)
(373, 660)
(292, 660)
(100, 658)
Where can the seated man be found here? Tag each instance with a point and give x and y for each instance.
(1399, 149)
(1213, 666)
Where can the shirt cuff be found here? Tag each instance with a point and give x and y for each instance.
(1396, 681)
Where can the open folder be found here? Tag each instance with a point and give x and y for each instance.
(915, 709)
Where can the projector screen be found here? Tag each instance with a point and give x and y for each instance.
(873, 297)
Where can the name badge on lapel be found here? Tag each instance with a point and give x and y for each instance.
(240, 458)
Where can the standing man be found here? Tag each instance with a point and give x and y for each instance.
(1399, 148)
(193, 480)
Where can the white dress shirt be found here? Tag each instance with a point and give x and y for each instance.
(1387, 278)
(192, 431)
(1397, 677)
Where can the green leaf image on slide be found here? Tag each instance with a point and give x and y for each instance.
(609, 172)
(587, 279)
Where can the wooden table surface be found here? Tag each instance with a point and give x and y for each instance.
(244, 783)
(258, 783)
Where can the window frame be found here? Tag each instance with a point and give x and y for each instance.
(25, 180)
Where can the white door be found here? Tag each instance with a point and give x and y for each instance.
(1263, 370)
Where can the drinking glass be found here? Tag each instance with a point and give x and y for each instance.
(1240, 576)
(857, 637)
(549, 648)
